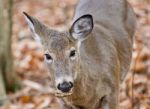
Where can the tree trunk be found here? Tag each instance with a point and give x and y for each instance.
(3, 96)
(8, 78)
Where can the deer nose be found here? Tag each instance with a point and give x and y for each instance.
(65, 86)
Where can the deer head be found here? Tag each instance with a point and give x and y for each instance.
(62, 50)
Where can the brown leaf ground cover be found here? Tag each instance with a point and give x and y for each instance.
(36, 92)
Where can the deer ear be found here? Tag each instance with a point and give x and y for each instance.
(82, 27)
(36, 27)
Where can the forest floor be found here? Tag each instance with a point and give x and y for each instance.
(28, 56)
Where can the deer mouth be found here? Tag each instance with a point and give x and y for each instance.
(63, 94)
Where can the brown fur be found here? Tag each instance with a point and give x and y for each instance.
(103, 58)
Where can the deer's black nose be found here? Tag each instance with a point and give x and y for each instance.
(65, 86)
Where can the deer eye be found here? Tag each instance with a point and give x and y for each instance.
(72, 54)
(48, 58)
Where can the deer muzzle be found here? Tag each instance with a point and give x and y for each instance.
(64, 86)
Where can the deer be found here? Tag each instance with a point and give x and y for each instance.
(89, 60)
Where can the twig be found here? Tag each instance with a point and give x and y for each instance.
(31, 85)
(135, 62)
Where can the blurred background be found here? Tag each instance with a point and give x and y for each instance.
(24, 79)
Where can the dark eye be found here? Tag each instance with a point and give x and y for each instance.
(48, 57)
(72, 53)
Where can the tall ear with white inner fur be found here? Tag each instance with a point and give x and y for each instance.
(82, 27)
(36, 27)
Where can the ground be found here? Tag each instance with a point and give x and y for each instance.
(28, 55)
